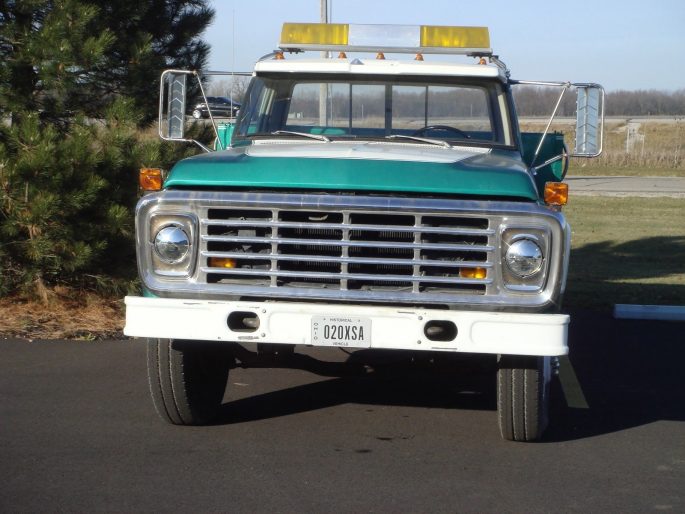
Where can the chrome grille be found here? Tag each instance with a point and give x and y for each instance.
(346, 250)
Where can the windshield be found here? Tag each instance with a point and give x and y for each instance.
(368, 108)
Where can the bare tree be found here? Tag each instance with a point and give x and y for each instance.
(539, 101)
(234, 86)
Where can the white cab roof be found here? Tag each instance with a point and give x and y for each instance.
(379, 67)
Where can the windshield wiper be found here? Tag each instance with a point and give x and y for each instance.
(303, 134)
(438, 142)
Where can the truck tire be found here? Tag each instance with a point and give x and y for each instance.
(187, 379)
(523, 396)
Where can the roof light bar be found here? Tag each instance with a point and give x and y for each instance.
(425, 39)
(304, 34)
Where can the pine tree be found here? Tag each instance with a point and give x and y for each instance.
(160, 34)
(61, 56)
(70, 142)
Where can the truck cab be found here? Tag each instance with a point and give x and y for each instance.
(362, 202)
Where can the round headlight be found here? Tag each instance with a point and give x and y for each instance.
(172, 244)
(524, 258)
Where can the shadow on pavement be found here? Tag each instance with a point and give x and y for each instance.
(624, 374)
(377, 378)
(606, 272)
(630, 373)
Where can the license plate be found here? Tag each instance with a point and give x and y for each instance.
(348, 332)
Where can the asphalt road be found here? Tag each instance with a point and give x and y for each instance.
(78, 433)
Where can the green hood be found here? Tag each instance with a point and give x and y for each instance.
(407, 168)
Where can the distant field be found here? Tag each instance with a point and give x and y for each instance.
(626, 250)
(638, 146)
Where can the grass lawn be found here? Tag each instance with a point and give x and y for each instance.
(626, 250)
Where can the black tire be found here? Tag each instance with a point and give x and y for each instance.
(187, 379)
(523, 396)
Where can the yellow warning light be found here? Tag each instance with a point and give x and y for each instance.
(150, 179)
(556, 193)
(314, 34)
(454, 37)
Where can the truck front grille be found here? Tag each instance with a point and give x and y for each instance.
(346, 250)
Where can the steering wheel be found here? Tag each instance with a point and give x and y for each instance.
(447, 128)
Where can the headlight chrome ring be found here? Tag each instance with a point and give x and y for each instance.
(524, 258)
(172, 244)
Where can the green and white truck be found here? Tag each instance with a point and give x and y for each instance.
(361, 203)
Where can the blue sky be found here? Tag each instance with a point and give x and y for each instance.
(620, 44)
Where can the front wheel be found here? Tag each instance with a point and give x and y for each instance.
(187, 379)
(523, 396)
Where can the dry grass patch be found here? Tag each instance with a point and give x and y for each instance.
(632, 147)
(77, 316)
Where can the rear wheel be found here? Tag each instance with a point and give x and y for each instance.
(187, 379)
(523, 396)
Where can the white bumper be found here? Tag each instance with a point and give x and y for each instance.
(391, 327)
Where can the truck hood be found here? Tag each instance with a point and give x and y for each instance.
(359, 166)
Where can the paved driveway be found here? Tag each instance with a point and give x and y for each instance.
(673, 187)
(78, 434)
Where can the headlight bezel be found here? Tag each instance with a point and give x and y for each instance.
(536, 281)
(183, 267)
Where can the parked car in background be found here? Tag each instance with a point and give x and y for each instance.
(220, 106)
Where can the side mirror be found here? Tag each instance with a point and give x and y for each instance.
(173, 93)
(589, 120)
(172, 119)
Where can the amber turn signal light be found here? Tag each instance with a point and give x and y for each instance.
(556, 193)
(150, 179)
(473, 272)
(222, 262)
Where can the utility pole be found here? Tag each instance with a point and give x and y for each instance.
(324, 11)
(323, 89)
